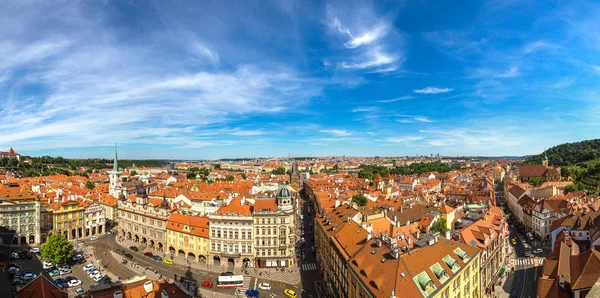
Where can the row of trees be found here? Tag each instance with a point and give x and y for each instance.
(369, 172)
(569, 153)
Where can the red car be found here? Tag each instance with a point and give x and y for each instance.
(148, 254)
(207, 284)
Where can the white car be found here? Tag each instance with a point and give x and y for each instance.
(29, 276)
(74, 283)
(538, 251)
(14, 255)
(98, 277)
(88, 267)
(109, 233)
(79, 291)
(77, 257)
(47, 265)
(94, 238)
(94, 273)
(34, 250)
(64, 271)
(264, 286)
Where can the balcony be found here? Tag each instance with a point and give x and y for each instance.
(231, 254)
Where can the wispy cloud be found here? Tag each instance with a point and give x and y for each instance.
(364, 109)
(372, 59)
(414, 119)
(363, 38)
(405, 97)
(563, 83)
(539, 45)
(513, 71)
(336, 132)
(401, 140)
(432, 90)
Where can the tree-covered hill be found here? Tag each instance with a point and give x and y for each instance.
(569, 153)
(580, 160)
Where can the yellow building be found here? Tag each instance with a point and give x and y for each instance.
(187, 236)
(68, 218)
(435, 267)
(447, 213)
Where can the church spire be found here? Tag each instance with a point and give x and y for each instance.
(115, 165)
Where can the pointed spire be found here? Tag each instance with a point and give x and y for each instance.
(115, 165)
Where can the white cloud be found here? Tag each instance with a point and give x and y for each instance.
(432, 90)
(513, 71)
(423, 119)
(539, 45)
(373, 59)
(367, 38)
(204, 52)
(414, 119)
(403, 140)
(336, 132)
(364, 109)
(405, 97)
(563, 83)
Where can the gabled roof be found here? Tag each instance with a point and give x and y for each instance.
(41, 287)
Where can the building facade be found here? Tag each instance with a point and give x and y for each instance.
(231, 234)
(21, 214)
(188, 235)
(143, 220)
(95, 219)
(68, 219)
(275, 230)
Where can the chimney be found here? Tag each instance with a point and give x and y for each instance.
(561, 281)
(337, 203)
(149, 287)
(395, 253)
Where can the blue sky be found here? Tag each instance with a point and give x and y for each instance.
(215, 79)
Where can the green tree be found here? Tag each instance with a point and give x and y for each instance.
(439, 226)
(217, 166)
(360, 200)
(57, 249)
(90, 185)
(537, 181)
(133, 173)
(229, 178)
(366, 174)
(279, 171)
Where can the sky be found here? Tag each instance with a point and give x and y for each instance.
(223, 79)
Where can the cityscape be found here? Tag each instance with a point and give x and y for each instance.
(334, 149)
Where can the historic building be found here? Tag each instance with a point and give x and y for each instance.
(188, 235)
(95, 218)
(231, 228)
(275, 230)
(20, 212)
(10, 154)
(67, 218)
(144, 220)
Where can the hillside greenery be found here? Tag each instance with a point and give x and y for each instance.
(369, 172)
(580, 160)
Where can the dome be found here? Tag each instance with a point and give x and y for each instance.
(284, 192)
(164, 204)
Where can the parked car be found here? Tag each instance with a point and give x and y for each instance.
(252, 293)
(128, 255)
(168, 261)
(538, 251)
(123, 261)
(74, 283)
(207, 284)
(264, 286)
(63, 266)
(514, 241)
(148, 254)
(64, 271)
(54, 272)
(61, 283)
(157, 258)
(34, 250)
(133, 248)
(227, 274)
(119, 251)
(29, 276)
(94, 238)
(77, 257)
(289, 293)
(88, 267)
(79, 291)
(98, 278)
(109, 233)
(14, 256)
(47, 265)
(13, 269)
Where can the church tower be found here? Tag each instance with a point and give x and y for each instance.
(545, 160)
(115, 178)
(284, 199)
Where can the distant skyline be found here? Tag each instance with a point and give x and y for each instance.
(221, 79)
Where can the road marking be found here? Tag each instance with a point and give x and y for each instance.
(309, 266)
(255, 282)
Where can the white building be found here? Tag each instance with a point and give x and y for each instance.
(544, 213)
(94, 219)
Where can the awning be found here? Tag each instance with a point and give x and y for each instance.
(501, 271)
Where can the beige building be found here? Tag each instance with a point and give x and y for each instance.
(20, 212)
(274, 230)
(143, 220)
(231, 229)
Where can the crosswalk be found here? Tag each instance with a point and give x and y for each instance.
(309, 266)
(247, 280)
